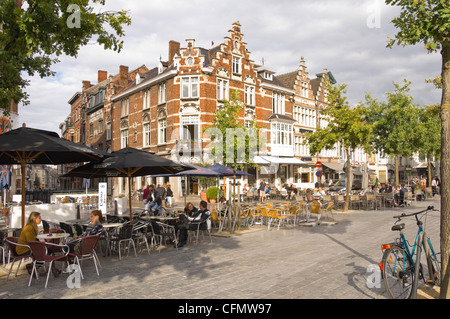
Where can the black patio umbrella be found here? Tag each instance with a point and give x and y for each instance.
(33, 146)
(129, 162)
(226, 171)
(194, 171)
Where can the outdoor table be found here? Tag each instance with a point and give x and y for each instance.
(62, 236)
(109, 230)
(149, 218)
(112, 225)
(77, 221)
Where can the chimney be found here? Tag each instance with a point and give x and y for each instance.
(123, 76)
(102, 76)
(86, 85)
(13, 107)
(174, 48)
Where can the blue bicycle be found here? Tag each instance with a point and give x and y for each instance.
(398, 267)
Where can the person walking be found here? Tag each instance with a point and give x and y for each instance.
(169, 196)
(262, 190)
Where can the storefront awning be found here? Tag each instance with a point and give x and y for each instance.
(338, 167)
(422, 165)
(277, 160)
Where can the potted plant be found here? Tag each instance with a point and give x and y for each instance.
(211, 194)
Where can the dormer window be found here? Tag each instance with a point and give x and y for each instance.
(268, 76)
(138, 79)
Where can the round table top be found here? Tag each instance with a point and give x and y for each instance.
(108, 225)
(159, 217)
(53, 236)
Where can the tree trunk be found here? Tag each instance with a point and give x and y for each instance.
(347, 183)
(430, 176)
(397, 177)
(445, 171)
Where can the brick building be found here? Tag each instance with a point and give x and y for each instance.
(168, 106)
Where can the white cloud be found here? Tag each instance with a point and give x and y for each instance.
(328, 33)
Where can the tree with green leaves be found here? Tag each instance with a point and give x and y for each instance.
(427, 22)
(430, 135)
(395, 124)
(233, 143)
(34, 33)
(347, 127)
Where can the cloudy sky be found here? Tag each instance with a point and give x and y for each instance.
(348, 37)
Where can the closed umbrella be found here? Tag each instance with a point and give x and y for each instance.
(129, 162)
(33, 146)
(5, 180)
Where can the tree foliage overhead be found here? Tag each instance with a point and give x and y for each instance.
(233, 143)
(347, 127)
(422, 21)
(395, 122)
(34, 33)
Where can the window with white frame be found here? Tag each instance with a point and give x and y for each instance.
(236, 65)
(162, 131)
(304, 89)
(124, 107)
(249, 95)
(281, 133)
(301, 149)
(146, 99)
(146, 134)
(100, 126)
(222, 89)
(162, 93)
(108, 131)
(190, 87)
(278, 103)
(305, 116)
(124, 138)
(191, 129)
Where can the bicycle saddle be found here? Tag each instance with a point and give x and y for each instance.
(398, 227)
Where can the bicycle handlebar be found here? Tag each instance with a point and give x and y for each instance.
(415, 214)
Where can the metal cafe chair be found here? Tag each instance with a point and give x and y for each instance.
(40, 254)
(12, 244)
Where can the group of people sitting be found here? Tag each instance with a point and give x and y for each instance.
(30, 231)
(157, 199)
(191, 219)
(397, 191)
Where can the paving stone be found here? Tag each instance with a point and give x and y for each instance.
(324, 262)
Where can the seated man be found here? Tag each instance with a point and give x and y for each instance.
(401, 199)
(191, 222)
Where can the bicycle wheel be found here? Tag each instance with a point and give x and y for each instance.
(397, 273)
(433, 264)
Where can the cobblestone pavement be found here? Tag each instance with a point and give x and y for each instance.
(324, 262)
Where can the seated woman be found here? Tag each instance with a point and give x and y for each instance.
(190, 209)
(29, 233)
(94, 228)
(191, 222)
